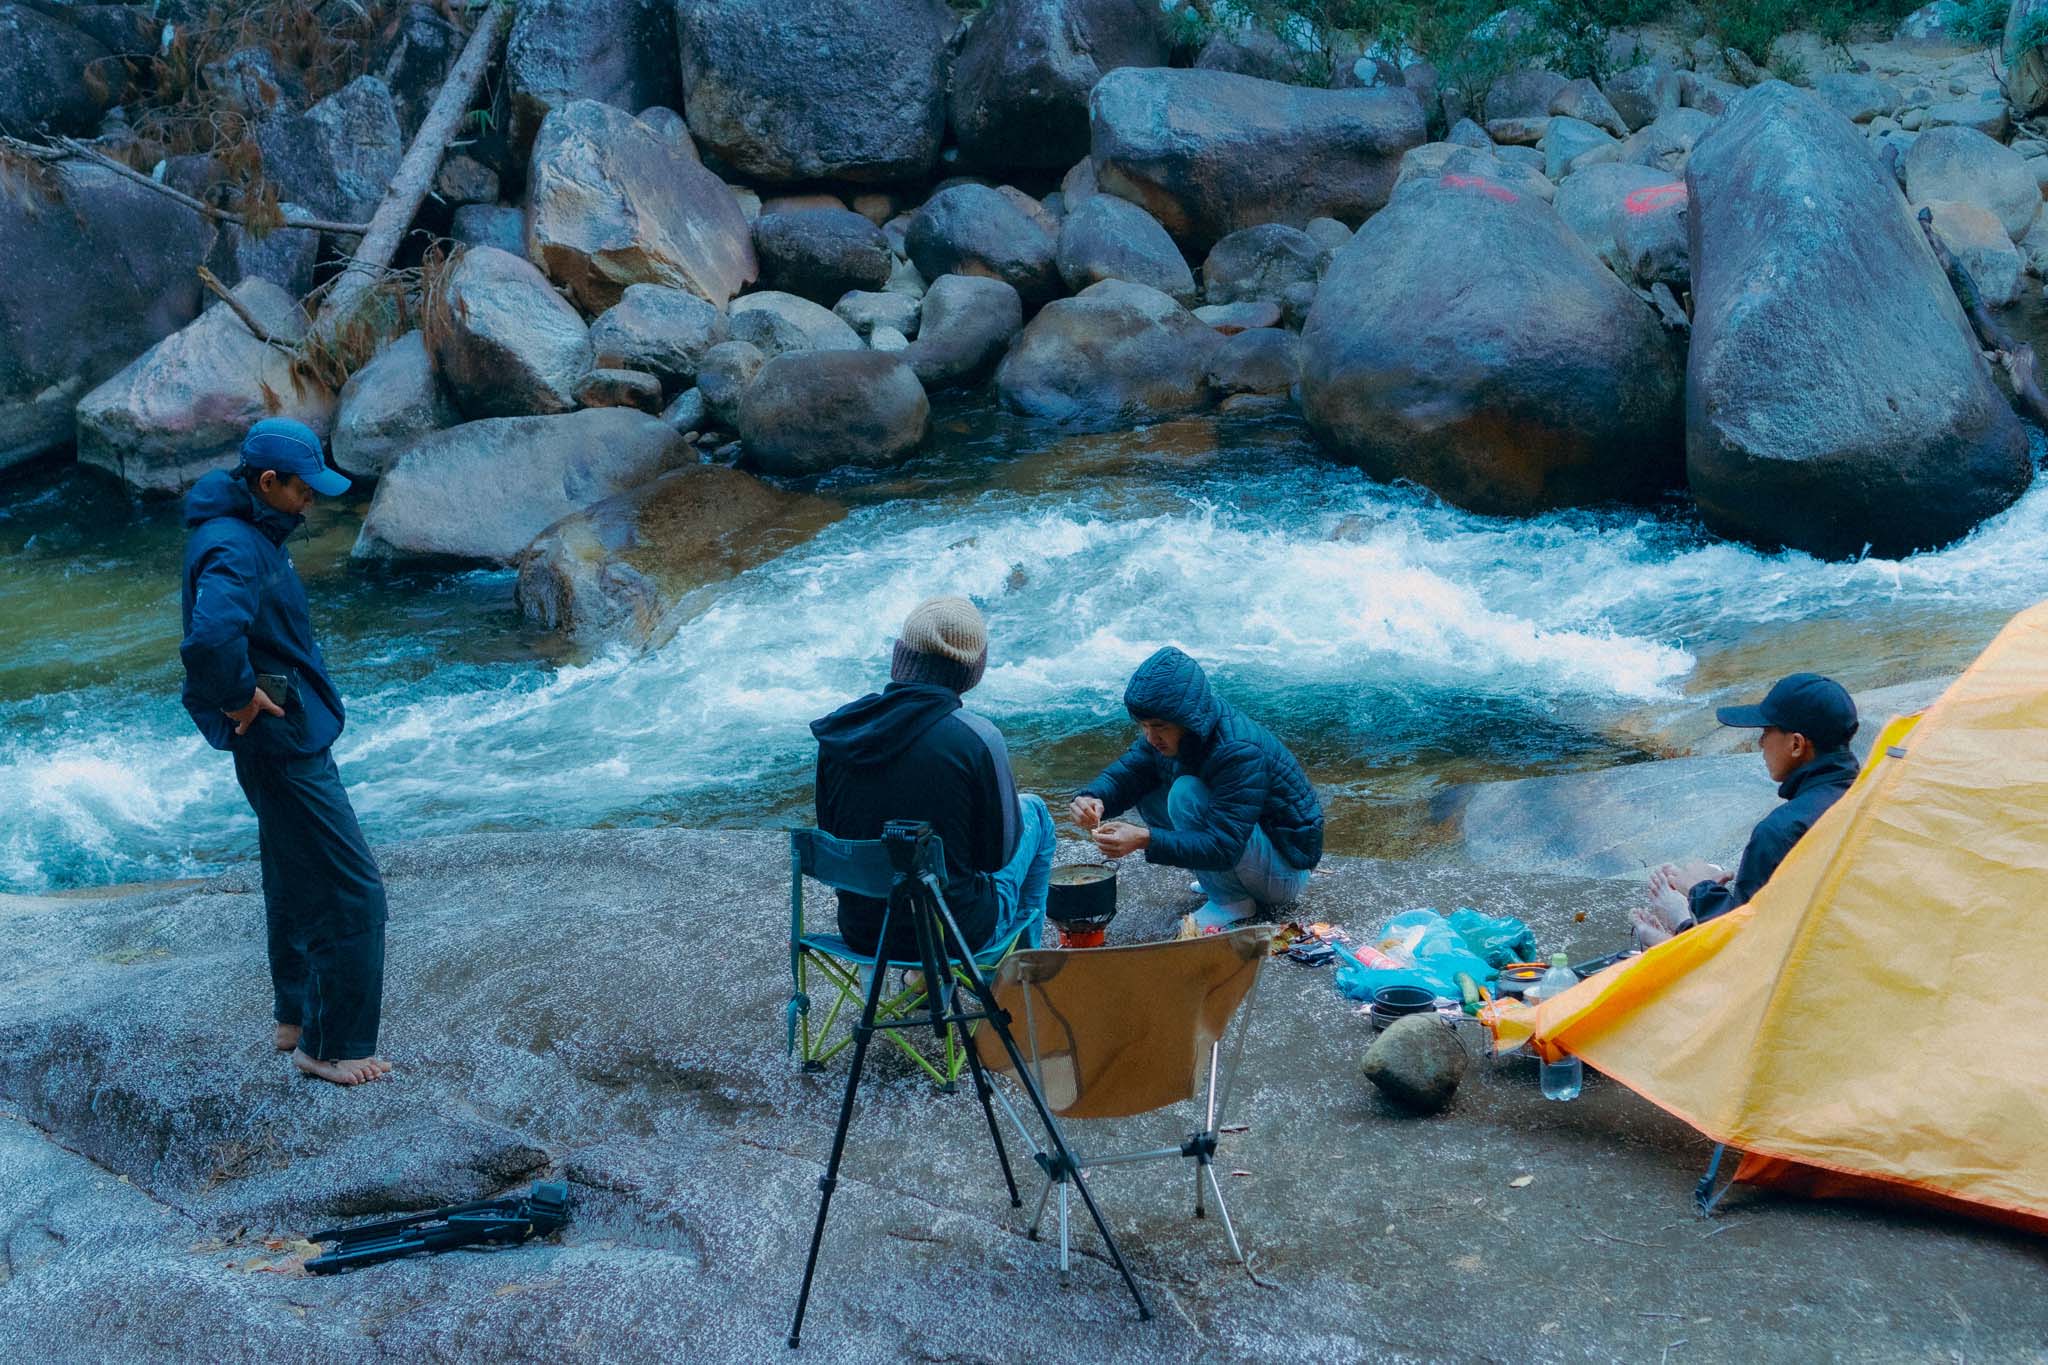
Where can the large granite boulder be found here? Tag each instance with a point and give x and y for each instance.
(1666, 143)
(611, 203)
(659, 331)
(1024, 70)
(1257, 360)
(1595, 201)
(1272, 263)
(963, 328)
(812, 411)
(612, 571)
(53, 77)
(1208, 152)
(724, 377)
(1107, 238)
(821, 254)
(1978, 241)
(287, 257)
(1116, 354)
(338, 158)
(504, 342)
(618, 52)
(537, 470)
(779, 323)
(182, 407)
(865, 310)
(1467, 340)
(1834, 395)
(1643, 93)
(500, 225)
(112, 277)
(783, 91)
(1963, 164)
(414, 54)
(970, 229)
(386, 406)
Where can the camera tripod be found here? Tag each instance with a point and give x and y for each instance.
(915, 859)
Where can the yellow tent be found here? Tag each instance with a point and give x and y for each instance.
(1869, 1023)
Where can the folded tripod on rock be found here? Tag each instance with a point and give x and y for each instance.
(488, 1222)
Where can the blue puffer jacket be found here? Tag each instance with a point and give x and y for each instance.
(245, 613)
(1253, 780)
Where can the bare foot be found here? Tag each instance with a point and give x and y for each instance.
(287, 1038)
(350, 1071)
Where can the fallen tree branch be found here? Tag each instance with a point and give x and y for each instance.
(241, 310)
(2016, 357)
(415, 176)
(100, 158)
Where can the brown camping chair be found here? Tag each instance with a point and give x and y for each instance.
(1113, 1032)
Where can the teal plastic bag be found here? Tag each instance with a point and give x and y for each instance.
(1438, 954)
(1500, 939)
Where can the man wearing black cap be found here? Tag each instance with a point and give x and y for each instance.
(257, 686)
(1807, 723)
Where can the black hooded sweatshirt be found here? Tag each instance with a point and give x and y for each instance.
(911, 752)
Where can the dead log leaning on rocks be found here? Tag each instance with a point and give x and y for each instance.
(2016, 357)
(93, 154)
(241, 310)
(415, 176)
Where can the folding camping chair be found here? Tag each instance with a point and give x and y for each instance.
(1115, 1032)
(863, 869)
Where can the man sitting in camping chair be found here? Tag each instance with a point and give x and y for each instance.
(1807, 723)
(912, 752)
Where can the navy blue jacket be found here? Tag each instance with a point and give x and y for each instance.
(1808, 793)
(245, 613)
(1253, 780)
(910, 752)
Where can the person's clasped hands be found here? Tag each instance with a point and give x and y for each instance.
(1115, 838)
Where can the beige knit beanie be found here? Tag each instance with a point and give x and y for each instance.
(944, 641)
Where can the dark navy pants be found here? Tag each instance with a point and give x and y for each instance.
(323, 899)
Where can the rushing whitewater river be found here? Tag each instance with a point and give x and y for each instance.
(1401, 646)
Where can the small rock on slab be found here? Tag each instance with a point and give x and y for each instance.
(1417, 1062)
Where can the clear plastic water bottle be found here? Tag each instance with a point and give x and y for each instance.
(1561, 1080)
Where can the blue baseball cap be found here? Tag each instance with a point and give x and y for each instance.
(1804, 703)
(289, 446)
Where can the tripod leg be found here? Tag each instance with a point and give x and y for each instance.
(1038, 1218)
(1065, 1265)
(982, 992)
(1229, 1228)
(988, 1110)
(863, 1032)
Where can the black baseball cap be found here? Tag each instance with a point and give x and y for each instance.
(1804, 703)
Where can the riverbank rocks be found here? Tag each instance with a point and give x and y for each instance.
(1963, 164)
(1107, 238)
(1643, 93)
(618, 52)
(484, 490)
(1024, 70)
(112, 277)
(779, 323)
(782, 91)
(500, 225)
(2025, 58)
(386, 406)
(53, 77)
(1567, 142)
(1835, 397)
(1467, 340)
(505, 343)
(1595, 201)
(1208, 152)
(864, 311)
(612, 572)
(613, 203)
(971, 229)
(1581, 100)
(965, 324)
(1271, 263)
(722, 379)
(1259, 360)
(338, 158)
(1417, 1062)
(1978, 241)
(808, 413)
(1116, 354)
(1666, 143)
(659, 331)
(821, 254)
(183, 406)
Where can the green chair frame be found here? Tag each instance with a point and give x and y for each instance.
(863, 868)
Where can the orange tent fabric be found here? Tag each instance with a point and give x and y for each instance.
(1870, 1020)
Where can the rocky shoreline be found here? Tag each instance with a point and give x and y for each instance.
(606, 1008)
(766, 235)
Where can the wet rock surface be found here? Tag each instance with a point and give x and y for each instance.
(557, 1010)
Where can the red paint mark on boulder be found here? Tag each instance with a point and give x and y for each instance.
(1650, 198)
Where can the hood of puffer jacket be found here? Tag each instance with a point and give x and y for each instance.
(1171, 686)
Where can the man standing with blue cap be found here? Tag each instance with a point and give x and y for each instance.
(256, 686)
(1807, 722)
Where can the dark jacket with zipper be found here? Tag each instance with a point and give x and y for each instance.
(245, 613)
(911, 752)
(1253, 781)
(1808, 793)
